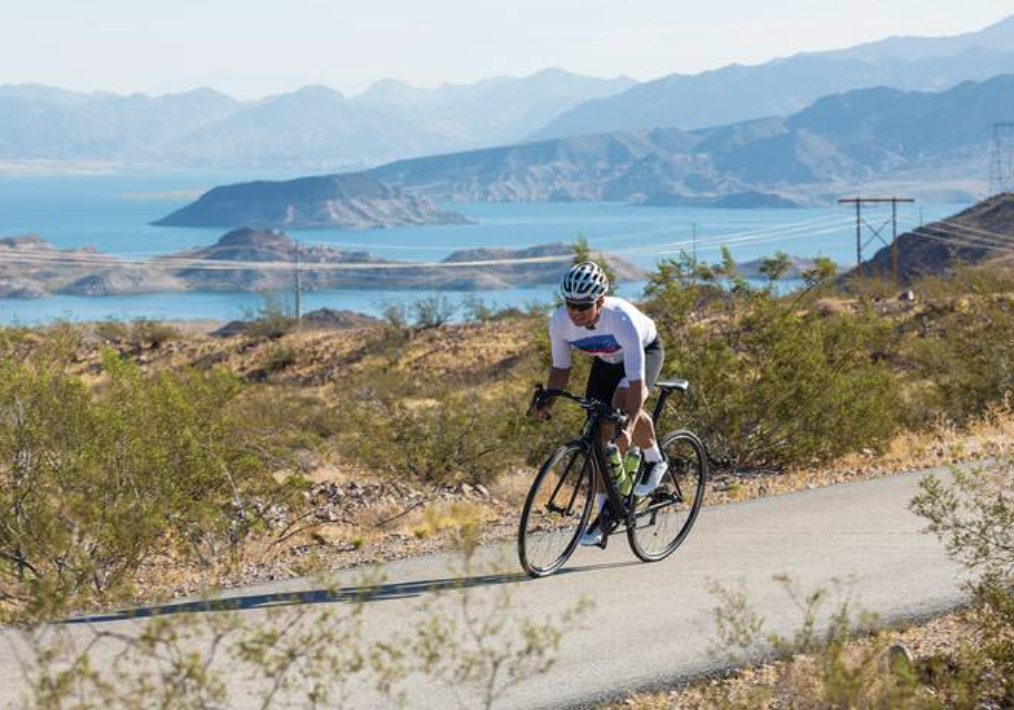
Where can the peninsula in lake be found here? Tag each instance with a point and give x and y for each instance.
(347, 201)
(250, 259)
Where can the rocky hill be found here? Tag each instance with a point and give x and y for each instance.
(30, 267)
(257, 260)
(349, 201)
(981, 234)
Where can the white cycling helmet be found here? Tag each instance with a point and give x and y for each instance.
(584, 282)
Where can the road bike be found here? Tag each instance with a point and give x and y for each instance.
(559, 504)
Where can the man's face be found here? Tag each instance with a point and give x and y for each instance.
(584, 313)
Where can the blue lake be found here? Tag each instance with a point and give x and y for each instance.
(112, 213)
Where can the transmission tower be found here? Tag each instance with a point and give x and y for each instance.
(1001, 162)
(876, 231)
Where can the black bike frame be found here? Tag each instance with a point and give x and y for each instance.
(591, 434)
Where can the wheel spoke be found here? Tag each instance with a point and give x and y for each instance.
(555, 511)
(665, 517)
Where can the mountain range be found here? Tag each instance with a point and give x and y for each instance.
(784, 86)
(318, 129)
(312, 128)
(839, 142)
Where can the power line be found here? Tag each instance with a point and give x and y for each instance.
(183, 262)
(924, 232)
(965, 239)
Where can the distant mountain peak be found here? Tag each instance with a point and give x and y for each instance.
(317, 91)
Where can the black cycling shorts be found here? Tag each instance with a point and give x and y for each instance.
(605, 377)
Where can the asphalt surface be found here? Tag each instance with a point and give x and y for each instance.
(651, 624)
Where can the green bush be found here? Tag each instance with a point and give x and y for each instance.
(965, 353)
(153, 332)
(111, 330)
(95, 484)
(973, 516)
(280, 357)
(273, 319)
(773, 383)
(965, 280)
(433, 312)
(455, 438)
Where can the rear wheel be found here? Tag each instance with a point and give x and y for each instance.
(556, 510)
(663, 518)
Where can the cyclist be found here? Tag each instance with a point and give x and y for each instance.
(628, 358)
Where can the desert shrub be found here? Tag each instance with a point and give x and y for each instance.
(482, 645)
(871, 287)
(433, 311)
(111, 330)
(475, 645)
(476, 310)
(772, 382)
(280, 357)
(973, 515)
(153, 332)
(433, 432)
(272, 319)
(964, 280)
(821, 665)
(95, 484)
(455, 438)
(287, 416)
(966, 356)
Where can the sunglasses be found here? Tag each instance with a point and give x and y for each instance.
(580, 305)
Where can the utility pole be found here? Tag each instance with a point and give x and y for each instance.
(299, 285)
(693, 233)
(1001, 163)
(876, 232)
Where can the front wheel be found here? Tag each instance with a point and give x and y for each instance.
(556, 510)
(663, 519)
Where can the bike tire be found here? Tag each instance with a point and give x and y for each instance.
(663, 519)
(556, 510)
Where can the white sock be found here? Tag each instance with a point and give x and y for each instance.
(653, 455)
(600, 499)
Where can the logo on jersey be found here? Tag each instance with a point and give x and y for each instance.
(597, 345)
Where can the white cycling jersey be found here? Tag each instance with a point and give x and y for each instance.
(619, 335)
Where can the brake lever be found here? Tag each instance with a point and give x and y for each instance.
(537, 401)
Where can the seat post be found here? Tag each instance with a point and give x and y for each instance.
(663, 395)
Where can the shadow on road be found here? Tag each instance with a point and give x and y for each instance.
(364, 593)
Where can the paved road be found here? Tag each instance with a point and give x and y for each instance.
(653, 624)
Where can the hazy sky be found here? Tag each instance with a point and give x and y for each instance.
(251, 48)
